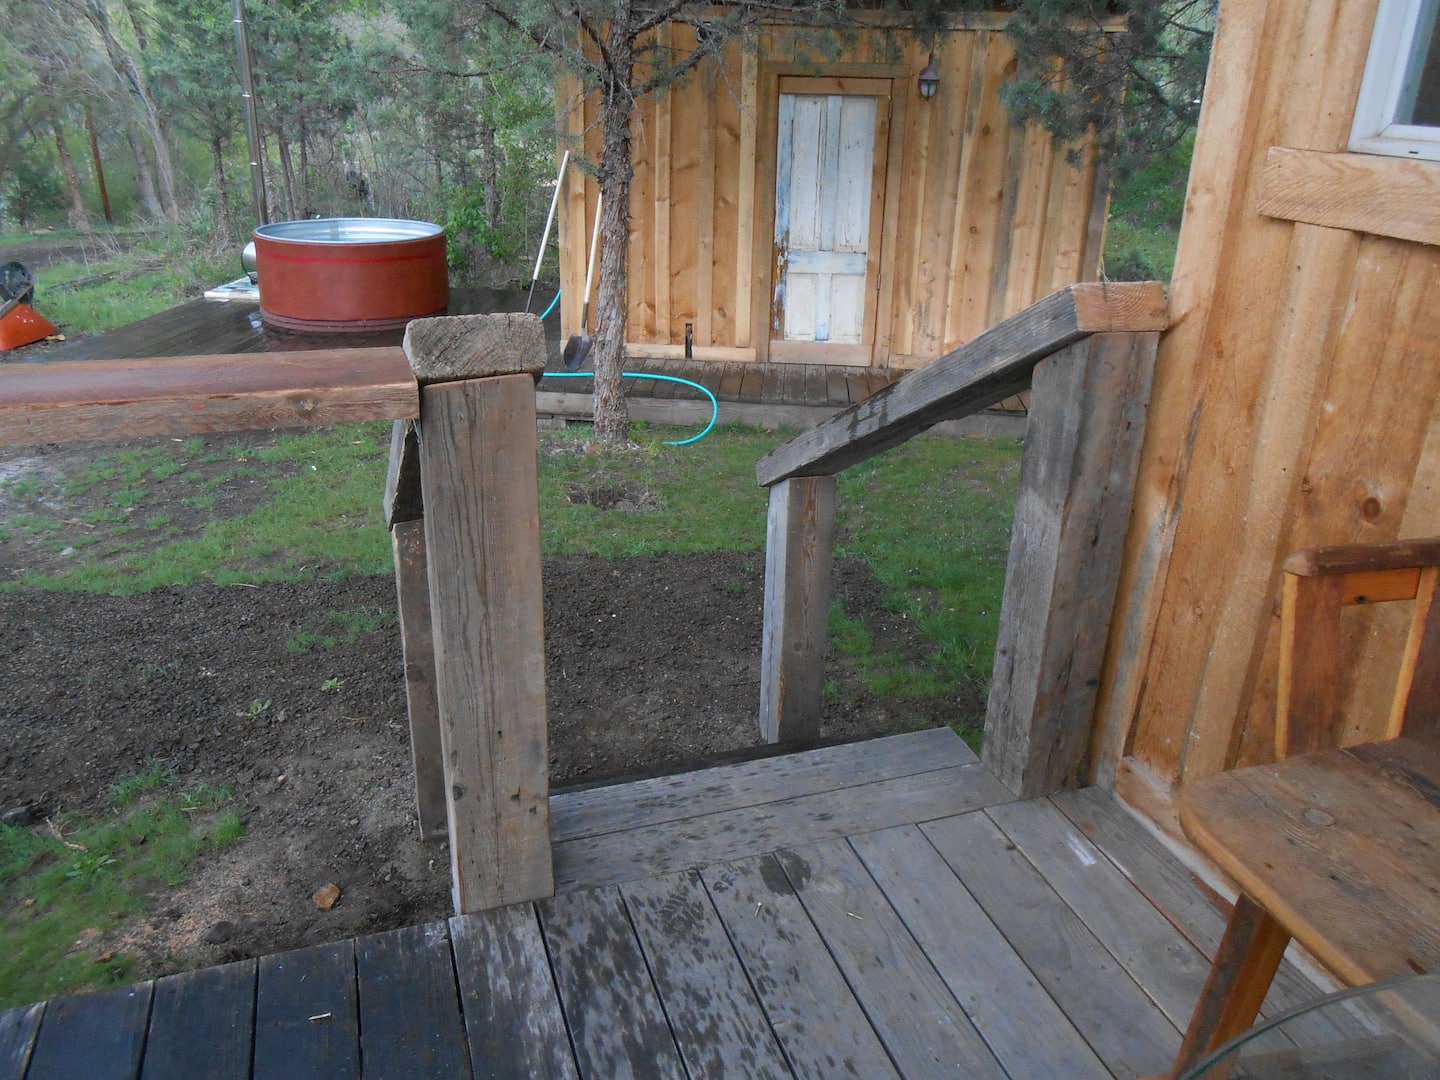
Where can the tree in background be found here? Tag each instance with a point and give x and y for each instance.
(1138, 91)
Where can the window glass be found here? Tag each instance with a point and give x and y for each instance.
(1420, 92)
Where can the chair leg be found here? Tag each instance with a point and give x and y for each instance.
(1246, 962)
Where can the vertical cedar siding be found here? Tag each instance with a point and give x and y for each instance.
(963, 189)
(1294, 406)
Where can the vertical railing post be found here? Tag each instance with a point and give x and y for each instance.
(1077, 483)
(478, 456)
(799, 538)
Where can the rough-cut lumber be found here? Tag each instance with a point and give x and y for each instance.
(478, 454)
(796, 620)
(417, 642)
(1082, 452)
(115, 399)
(980, 373)
(306, 1021)
(402, 500)
(455, 347)
(1385, 196)
(410, 1022)
(99, 1035)
(202, 1023)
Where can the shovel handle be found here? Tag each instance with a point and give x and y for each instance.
(590, 264)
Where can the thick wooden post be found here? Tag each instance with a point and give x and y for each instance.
(403, 511)
(1077, 481)
(478, 472)
(799, 538)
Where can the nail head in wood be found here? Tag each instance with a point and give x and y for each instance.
(457, 347)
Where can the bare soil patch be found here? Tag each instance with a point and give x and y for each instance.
(653, 665)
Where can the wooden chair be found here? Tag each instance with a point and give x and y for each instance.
(1338, 848)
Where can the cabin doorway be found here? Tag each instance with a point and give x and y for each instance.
(831, 153)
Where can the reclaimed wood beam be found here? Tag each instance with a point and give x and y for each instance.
(978, 374)
(478, 457)
(1077, 483)
(186, 395)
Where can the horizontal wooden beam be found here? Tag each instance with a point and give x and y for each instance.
(1366, 193)
(978, 374)
(116, 399)
(1362, 558)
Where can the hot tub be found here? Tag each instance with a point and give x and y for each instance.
(338, 274)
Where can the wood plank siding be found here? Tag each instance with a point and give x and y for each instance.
(953, 219)
(1294, 403)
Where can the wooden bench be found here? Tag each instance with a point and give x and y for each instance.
(1336, 847)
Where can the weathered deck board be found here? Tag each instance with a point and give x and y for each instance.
(917, 1018)
(617, 1023)
(717, 1019)
(1114, 1014)
(985, 974)
(814, 1014)
(512, 1013)
(750, 830)
(618, 807)
(940, 945)
(306, 1020)
(98, 1036)
(202, 1023)
(409, 1009)
(1179, 894)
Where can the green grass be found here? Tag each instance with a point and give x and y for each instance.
(62, 888)
(1145, 213)
(155, 274)
(931, 518)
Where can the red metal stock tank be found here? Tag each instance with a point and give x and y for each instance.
(342, 274)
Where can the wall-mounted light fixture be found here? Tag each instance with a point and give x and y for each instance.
(929, 80)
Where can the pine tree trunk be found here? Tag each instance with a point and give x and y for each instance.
(489, 160)
(226, 230)
(144, 175)
(612, 418)
(99, 166)
(78, 217)
(287, 174)
(129, 74)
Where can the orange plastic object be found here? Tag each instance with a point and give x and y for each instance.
(22, 325)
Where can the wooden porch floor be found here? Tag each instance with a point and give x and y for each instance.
(875, 909)
(765, 394)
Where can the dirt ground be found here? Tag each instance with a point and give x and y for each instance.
(653, 665)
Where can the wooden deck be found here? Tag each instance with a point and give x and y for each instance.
(875, 909)
(768, 395)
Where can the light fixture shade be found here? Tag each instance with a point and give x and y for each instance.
(929, 80)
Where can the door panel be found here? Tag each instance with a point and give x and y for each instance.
(825, 162)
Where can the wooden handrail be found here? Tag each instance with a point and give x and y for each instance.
(73, 401)
(1088, 353)
(992, 367)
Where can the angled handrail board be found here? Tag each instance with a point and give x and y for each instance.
(109, 399)
(978, 374)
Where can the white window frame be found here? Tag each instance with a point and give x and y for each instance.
(1374, 131)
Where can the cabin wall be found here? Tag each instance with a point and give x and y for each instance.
(980, 218)
(1294, 402)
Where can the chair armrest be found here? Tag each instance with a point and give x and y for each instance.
(1364, 558)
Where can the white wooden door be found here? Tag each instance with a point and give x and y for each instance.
(824, 165)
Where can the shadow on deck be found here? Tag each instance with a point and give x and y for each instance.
(873, 909)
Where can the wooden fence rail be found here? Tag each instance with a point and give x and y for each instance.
(1088, 354)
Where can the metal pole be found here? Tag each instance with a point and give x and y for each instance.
(252, 120)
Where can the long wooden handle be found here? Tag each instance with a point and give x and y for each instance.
(590, 266)
(550, 217)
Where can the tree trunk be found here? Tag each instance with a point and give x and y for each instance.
(78, 216)
(612, 418)
(489, 159)
(305, 208)
(226, 223)
(99, 168)
(144, 175)
(129, 74)
(287, 173)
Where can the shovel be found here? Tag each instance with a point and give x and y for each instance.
(549, 220)
(579, 345)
